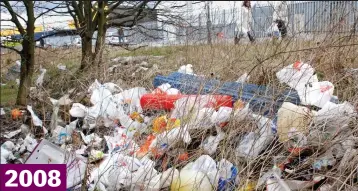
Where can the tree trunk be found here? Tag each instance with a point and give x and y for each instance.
(86, 52)
(27, 57)
(101, 35)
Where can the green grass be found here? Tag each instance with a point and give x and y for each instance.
(11, 43)
(153, 51)
(8, 94)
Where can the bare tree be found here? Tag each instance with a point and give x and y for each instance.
(27, 54)
(91, 16)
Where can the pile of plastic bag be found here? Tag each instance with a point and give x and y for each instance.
(136, 149)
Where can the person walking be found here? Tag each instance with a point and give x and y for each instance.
(280, 18)
(120, 35)
(244, 27)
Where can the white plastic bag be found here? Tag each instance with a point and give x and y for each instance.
(54, 115)
(241, 113)
(221, 116)
(335, 116)
(162, 180)
(113, 88)
(316, 93)
(191, 105)
(40, 79)
(210, 144)
(112, 172)
(171, 137)
(199, 119)
(243, 78)
(255, 142)
(130, 99)
(120, 142)
(6, 151)
(35, 119)
(91, 139)
(93, 86)
(63, 135)
(166, 88)
(297, 74)
(131, 126)
(189, 180)
(78, 110)
(186, 69)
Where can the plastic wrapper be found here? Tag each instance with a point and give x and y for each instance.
(227, 173)
(29, 143)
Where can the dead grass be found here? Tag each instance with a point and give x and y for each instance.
(227, 62)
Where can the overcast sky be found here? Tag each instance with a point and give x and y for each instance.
(62, 21)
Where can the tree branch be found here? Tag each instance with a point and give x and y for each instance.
(14, 18)
(72, 15)
(78, 12)
(113, 6)
(47, 11)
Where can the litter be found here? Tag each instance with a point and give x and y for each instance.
(40, 79)
(2, 111)
(61, 67)
(297, 75)
(48, 153)
(255, 142)
(186, 69)
(37, 122)
(12, 134)
(316, 93)
(174, 137)
(292, 119)
(242, 79)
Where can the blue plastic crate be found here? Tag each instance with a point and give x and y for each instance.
(261, 98)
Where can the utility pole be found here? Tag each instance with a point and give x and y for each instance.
(208, 21)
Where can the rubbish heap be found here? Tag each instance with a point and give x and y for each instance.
(185, 135)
